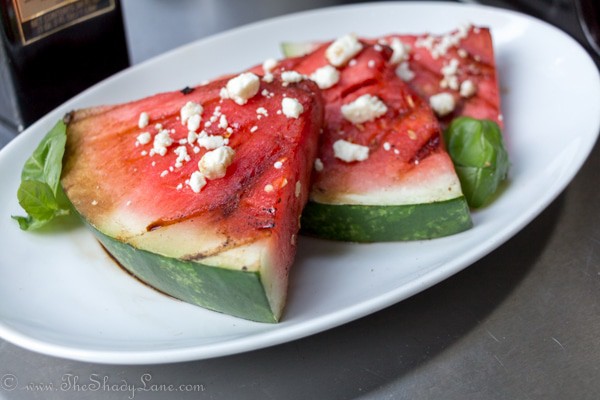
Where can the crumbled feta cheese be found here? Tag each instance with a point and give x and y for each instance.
(241, 88)
(182, 156)
(467, 88)
(162, 140)
(210, 142)
(143, 120)
(269, 188)
(253, 129)
(401, 51)
(213, 164)
(164, 173)
(298, 188)
(318, 165)
(426, 42)
(449, 82)
(261, 111)
(193, 122)
(449, 72)
(223, 124)
(189, 109)
(349, 152)
(144, 138)
(440, 46)
(291, 107)
(144, 153)
(342, 50)
(451, 68)
(404, 72)
(326, 77)
(192, 137)
(268, 65)
(291, 77)
(363, 109)
(197, 181)
(442, 103)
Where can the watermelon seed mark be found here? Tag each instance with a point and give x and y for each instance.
(187, 90)
(427, 149)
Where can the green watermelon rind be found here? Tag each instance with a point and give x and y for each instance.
(234, 292)
(386, 223)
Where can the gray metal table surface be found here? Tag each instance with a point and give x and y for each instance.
(521, 323)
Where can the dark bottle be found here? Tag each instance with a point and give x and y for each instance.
(52, 50)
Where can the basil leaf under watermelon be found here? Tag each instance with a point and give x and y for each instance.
(479, 156)
(40, 193)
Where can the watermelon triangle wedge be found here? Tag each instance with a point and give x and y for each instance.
(382, 172)
(198, 192)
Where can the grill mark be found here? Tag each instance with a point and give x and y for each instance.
(427, 149)
(351, 89)
(230, 203)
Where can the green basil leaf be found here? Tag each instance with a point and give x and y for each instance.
(37, 198)
(45, 164)
(40, 193)
(479, 156)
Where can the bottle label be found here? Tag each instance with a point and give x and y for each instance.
(40, 18)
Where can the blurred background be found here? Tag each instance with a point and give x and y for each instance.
(200, 18)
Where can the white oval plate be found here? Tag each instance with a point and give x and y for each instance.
(60, 294)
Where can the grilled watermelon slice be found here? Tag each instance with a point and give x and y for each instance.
(382, 173)
(208, 217)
